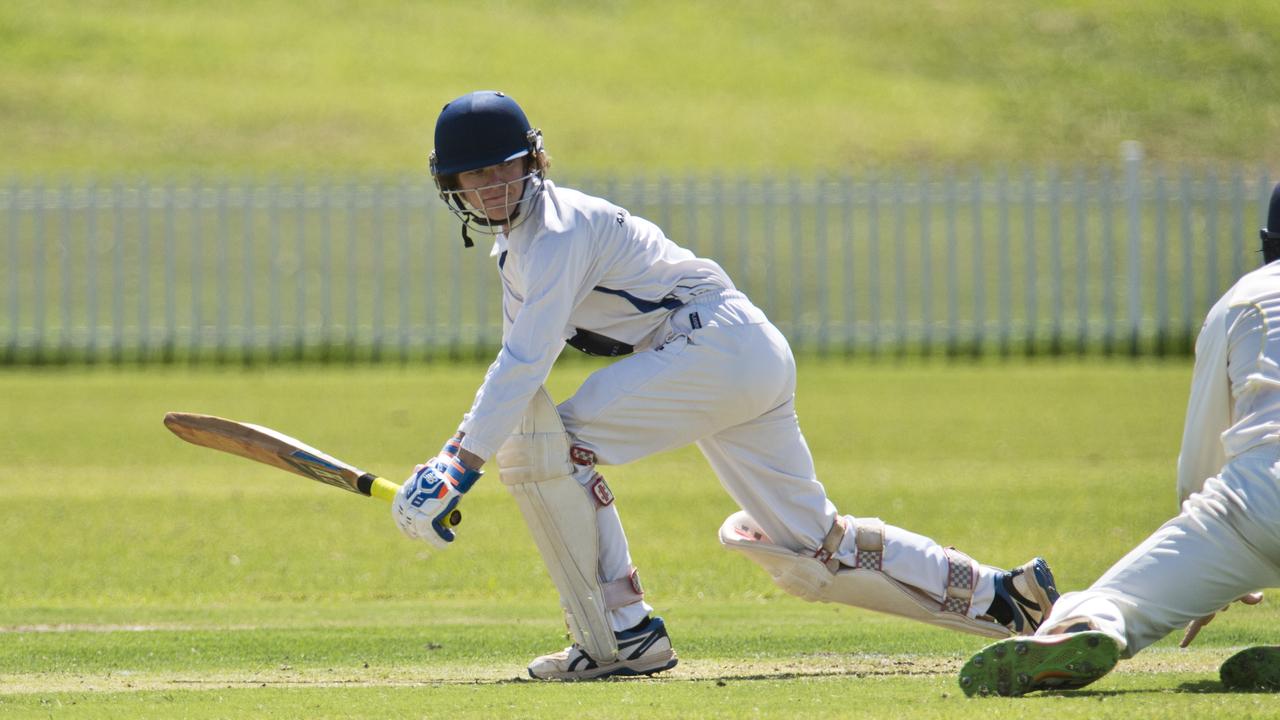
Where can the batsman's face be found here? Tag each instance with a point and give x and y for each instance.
(494, 190)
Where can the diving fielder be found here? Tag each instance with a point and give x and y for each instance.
(698, 363)
(1223, 546)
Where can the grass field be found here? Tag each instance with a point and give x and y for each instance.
(271, 86)
(143, 577)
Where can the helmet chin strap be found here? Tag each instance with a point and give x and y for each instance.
(473, 217)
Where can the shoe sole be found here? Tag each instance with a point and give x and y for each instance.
(649, 667)
(1017, 666)
(1257, 668)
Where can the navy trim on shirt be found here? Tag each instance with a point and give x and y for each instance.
(644, 306)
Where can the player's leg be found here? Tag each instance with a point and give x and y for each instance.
(1223, 545)
(765, 466)
(568, 508)
(642, 404)
(1227, 539)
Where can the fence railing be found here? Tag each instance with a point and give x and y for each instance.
(1122, 259)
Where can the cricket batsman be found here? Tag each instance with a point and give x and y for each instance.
(697, 363)
(1225, 543)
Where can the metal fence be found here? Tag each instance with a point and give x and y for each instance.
(1108, 259)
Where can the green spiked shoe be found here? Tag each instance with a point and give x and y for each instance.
(1017, 666)
(1257, 668)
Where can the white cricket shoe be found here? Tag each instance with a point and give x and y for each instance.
(1030, 591)
(643, 651)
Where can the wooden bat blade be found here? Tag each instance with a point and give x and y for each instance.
(269, 447)
(281, 451)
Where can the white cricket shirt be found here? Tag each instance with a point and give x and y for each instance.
(1235, 388)
(576, 263)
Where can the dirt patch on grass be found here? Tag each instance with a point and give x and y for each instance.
(1154, 662)
(285, 676)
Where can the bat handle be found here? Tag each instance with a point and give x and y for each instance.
(384, 489)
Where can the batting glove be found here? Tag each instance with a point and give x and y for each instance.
(425, 507)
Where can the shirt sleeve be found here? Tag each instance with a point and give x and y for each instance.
(1208, 408)
(555, 269)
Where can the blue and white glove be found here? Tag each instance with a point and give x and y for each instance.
(424, 506)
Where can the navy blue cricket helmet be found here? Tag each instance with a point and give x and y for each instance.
(477, 130)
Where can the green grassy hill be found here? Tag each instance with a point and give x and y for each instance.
(669, 85)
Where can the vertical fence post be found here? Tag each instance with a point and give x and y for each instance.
(873, 260)
(91, 272)
(13, 296)
(926, 266)
(379, 266)
(195, 341)
(404, 273)
(38, 251)
(301, 210)
(274, 275)
(1162, 266)
(821, 265)
(247, 336)
(65, 242)
(979, 267)
(953, 265)
(1187, 198)
(1081, 198)
(1211, 237)
(900, 263)
(223, 330)
(770, 244)
(1005, 262)
(1030, 286)
(170, 272)
(1108, 263)
(849, 282)
(1237, 223)
(117, 272)
(1131, 150)
(1056, 280)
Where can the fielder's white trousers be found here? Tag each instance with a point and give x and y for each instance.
(726, 379)
(1225, 543)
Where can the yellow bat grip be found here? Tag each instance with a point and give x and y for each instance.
(386, 490)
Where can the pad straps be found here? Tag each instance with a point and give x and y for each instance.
(623, 591)
(962, 578)
(868, 534)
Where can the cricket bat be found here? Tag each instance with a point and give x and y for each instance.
(278, 450)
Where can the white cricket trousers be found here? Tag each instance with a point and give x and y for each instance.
(1225, 543)
(725, 378)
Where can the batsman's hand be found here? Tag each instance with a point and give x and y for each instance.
(425, 506)
(1194, 627)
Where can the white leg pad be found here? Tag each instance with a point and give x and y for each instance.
(823, 579)
(534, 465)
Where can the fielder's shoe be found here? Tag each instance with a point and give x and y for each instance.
(1257, 668)
(1030, 593)
(1017, 666)
(641, 651)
